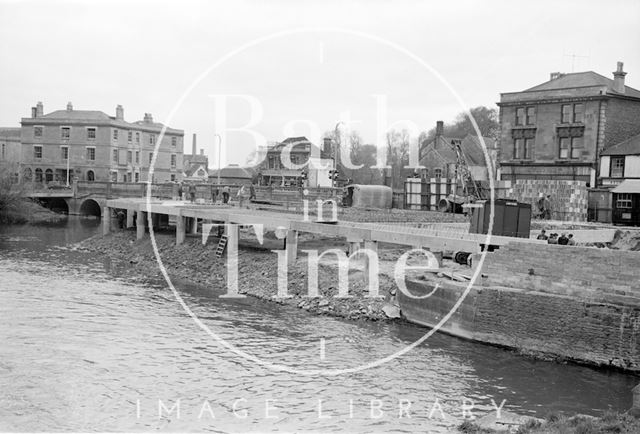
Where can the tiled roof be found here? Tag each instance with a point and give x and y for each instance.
(301, 139)
(583, 79)
(631, 146)
(233, 171)
(470, 145)
(77, 115)
(194, 168)
(98, 117)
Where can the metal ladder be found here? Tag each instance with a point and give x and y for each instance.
(222, 244)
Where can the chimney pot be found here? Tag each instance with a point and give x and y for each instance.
(201, 151)
(618, 79)
(39, 109)
(69, 106)
(34, 112)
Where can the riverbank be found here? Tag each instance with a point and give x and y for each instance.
(27, 211)
(555, 423)
(257, 270)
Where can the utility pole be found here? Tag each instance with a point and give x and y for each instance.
(219, 155)
(335, 152)
(68, 158)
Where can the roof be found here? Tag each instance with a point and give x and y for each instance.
(628, 186)
(97, 116)
(8, 133)
(301, 139)
(631, 146)
(583, 79)
(194, 168)
(77, 115)
(194, 159)
(233, 171)
(471, 148)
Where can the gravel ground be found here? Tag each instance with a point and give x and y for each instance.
(257, 270)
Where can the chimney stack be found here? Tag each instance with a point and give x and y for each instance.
(439, 132)
(69, 106)
(148, 119)
(34, 112)
(326, 145)
(39, 109)
(555, 75)
(618, 79)
(193, 145)
(201, 151)
(119, 113)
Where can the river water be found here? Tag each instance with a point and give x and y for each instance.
(85, 345)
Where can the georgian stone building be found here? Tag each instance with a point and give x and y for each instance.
(93, 146)
(558, 129)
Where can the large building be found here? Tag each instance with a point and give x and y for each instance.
(10, 149)
(93, 146)
(558, 129)
(303, 153)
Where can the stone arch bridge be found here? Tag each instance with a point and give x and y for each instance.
(90, 197)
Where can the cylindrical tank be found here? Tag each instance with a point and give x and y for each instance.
(369, 196)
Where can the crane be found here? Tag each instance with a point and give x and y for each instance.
(470, 190)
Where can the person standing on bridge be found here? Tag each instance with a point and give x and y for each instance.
(192, 192)
(225, 194)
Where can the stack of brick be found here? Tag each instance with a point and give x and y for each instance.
(569, 199)
(597, 275)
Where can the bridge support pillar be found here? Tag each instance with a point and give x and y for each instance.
(141, 223)
(106, 220)
(193, 228)
(180, 230)
(354, 245)
(233, 233)
(371, 246)
(129, 218)
(292, 247)
(155, 220)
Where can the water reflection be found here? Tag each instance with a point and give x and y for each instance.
(88, 347)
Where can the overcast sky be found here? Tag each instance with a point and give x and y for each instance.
(146, 55)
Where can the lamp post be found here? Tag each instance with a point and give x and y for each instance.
(68, 158)
(219, 153)
(335, 153)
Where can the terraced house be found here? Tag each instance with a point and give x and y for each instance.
(559, 129)
(93, 146)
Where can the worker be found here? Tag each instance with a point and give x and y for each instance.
(553, 239)
(180, 191)
(571, 241)
(225, 194)
(563, 240)
(192, 192)
(543, 235)
(547, 208)
(121, 218)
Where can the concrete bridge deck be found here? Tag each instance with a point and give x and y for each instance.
(355, 233)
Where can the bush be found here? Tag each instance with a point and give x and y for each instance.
(12, 201)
